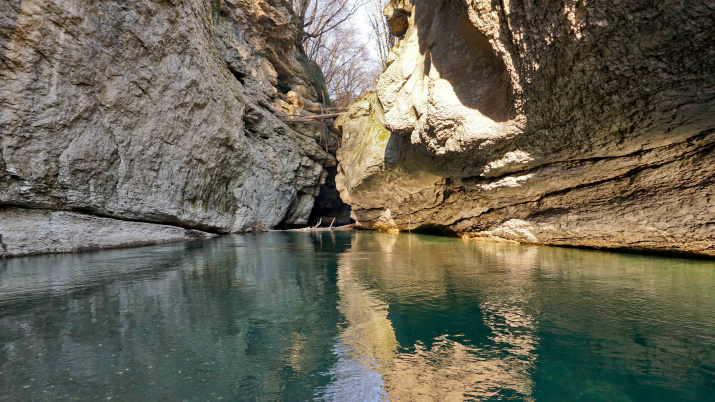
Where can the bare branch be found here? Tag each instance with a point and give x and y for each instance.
(345, 54)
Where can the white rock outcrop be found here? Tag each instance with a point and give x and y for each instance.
(569, 123)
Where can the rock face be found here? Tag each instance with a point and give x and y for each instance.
(155, 111)
(35, 231)
(573, 123)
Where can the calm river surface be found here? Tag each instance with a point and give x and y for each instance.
(356, 317)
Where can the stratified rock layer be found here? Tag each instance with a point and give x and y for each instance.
(155, 111)
(572, 123)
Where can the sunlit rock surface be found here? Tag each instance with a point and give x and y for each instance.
(573, 123)
(158, 112)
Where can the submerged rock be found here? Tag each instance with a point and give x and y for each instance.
(584, 124)
(157, 112)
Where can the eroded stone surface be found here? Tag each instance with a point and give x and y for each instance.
(35, 231)
(155, 111)
(572, 123)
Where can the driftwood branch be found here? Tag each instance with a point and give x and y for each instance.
(301, 118)
(344, 228)
(325, 109)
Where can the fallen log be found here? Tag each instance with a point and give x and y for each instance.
(297, 118)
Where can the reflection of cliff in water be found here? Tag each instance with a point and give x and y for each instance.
(431, 318)
(407, 353)
(236, 317)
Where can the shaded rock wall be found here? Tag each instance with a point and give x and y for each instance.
(36, 231)
(155, 111)
(329, 208)
(572, 123)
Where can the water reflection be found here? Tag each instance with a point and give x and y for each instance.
(363, 316)
(453, 343)
(243, 317)
(489, 321)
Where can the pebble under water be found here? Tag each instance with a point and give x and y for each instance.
(356, 316)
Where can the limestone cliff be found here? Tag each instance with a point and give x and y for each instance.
(583, 123)
(152, 111)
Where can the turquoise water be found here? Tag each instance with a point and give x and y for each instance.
(356, 317)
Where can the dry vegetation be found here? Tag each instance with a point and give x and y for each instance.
(349, 40)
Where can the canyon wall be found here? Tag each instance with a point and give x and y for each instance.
(117, 112)
(580, 123)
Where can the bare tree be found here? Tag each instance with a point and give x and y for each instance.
(319, 17)
(346, 64)
(381, 37)
(346, 55)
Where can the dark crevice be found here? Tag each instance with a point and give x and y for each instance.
(284, 87)
(329, 205)
(239, 75)
(433, 229)
(3, 248)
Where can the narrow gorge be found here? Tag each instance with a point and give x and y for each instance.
(579, 123)
(357, 200)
